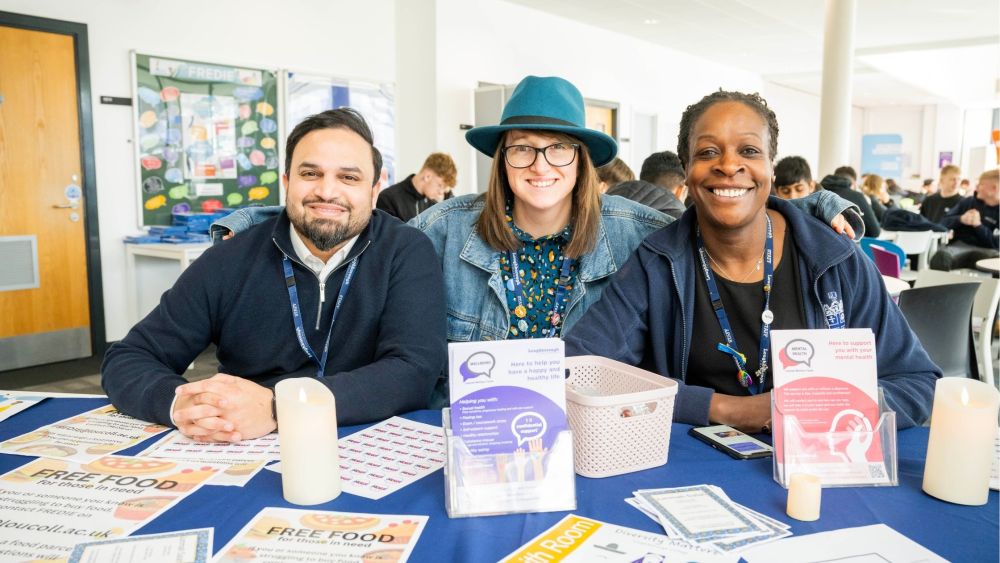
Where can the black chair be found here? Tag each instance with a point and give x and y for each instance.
(941, 317)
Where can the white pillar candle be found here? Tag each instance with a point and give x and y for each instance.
(804, 494)
(307, 432)
(960, 447)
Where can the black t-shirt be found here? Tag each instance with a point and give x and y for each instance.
(744, 303)
(935, 206)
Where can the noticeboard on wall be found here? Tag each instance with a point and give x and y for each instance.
(309, 94)
(206, 136)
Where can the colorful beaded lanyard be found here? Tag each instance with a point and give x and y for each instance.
(767, 317)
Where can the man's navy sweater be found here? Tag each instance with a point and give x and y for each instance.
(386, 351)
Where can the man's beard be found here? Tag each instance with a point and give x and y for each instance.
(326, 234)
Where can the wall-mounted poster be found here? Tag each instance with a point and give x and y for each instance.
(311, 94)
(882, 155)
(206, 136)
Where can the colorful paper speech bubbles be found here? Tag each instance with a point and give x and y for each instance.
(169, 94)
(174, 175)
(150, 162)
(246, 180)
(148, 95)
(211, 205)
(234, 198)
(265, 108)
(268, 125)
(148, 119)
(268, 177)
(180, 208)
(152, 185)
(257, 158)
(260, 192)
(155, 202)
(178, 192)
(249, 128)
(267, 143)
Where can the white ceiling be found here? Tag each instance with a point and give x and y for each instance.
(907, 52)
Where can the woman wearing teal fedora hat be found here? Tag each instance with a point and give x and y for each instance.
(528, 257)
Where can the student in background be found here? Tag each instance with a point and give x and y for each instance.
(935, 206)
(417, 192)
(975, 221)
(660, 185)
(614, 173)
(878, 195)
(793, 178)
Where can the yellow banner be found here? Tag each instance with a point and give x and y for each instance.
(557, 542)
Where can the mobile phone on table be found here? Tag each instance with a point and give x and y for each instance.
(732, 441)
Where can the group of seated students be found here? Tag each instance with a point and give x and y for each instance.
(330, 287)
(973, 219)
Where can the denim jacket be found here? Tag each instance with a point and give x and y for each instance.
(475, 295)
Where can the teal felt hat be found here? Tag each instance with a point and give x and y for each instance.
(545, 103)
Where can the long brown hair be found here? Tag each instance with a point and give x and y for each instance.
(585, 215)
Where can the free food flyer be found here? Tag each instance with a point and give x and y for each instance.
(50, 505)
(289, 534)
(826, 406)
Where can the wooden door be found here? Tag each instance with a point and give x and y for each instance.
(44, 307)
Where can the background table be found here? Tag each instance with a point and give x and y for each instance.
(957, 533)
(151, 269)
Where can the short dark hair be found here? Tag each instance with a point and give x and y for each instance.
(846, 172)
(928, 181)
(340, 118)
(792, 170)
(662, 168)
(753, 101)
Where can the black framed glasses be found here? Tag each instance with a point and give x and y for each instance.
(557, 154)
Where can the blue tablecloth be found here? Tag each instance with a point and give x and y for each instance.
(957, 533)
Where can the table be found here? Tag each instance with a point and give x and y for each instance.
(957, 533)
(991, 265)
(895, 286)
(151, 269)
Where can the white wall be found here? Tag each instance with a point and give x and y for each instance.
(798, 122)
(336, 36)
(493, 41)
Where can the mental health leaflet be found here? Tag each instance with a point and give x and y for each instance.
(507, 396)
(826, 406)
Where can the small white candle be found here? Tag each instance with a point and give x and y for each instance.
(307, 432)
(960, 447)
(804, 494)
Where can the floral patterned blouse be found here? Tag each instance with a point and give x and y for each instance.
(539, 260)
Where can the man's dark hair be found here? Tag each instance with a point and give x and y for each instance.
(928, 181)
(340, 118)
(792, 170)
(662, 168)
(846, 172)
(753, 101)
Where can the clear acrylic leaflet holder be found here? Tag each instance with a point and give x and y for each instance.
(852, 455)
(527, 481)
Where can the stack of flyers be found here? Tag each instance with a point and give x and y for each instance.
(703, 515)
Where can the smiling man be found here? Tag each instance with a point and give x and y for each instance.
(330, 288)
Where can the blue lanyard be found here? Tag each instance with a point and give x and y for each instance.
(560, 297)
(300, 332)
(766, 317)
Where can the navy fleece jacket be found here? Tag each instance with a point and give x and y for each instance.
(645, 315)
(386, 350)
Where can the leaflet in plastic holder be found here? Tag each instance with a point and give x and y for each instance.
(532, 480)
(851, 453)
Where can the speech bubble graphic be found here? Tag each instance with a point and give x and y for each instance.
(480, 363)
(797, 352)
(528, 426)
